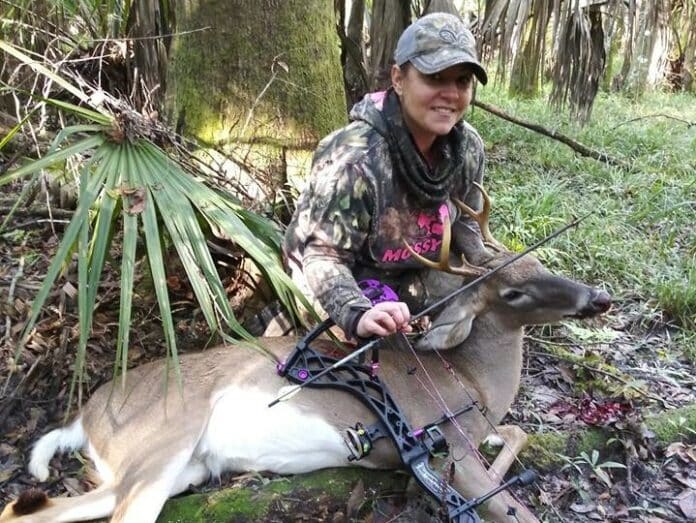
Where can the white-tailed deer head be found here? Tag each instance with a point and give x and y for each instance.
(523, 293)
(146, 454)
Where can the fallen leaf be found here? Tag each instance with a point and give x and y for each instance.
(583, 508)
(72, 485)
(687, 503)
(6, 450)
(7, 471)
(685, 480)
(134, 200)
(70, 290)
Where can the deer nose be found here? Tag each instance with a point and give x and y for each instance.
(600, 300)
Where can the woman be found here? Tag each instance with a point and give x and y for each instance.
(387, 179)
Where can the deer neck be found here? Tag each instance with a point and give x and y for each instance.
(491, 361)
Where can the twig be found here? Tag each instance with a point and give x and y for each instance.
(44, 212)
(10, 297)
(573, 144)
(263, 91)
(561, 343)
(629, 469)
(663, 375)
(42, 220)
(156, 37)
(6, 408)
(27, 286)
(656, 115)
(671, 515)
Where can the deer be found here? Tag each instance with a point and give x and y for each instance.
(148, 445)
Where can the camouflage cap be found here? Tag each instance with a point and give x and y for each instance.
(438, 41)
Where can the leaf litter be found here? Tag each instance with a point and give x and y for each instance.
(608, 375)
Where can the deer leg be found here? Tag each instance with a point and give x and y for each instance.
(472, 479)
(147, 483)
(194, 474)
(512, 439)
(95, 504)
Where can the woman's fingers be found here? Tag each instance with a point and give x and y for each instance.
(384, 319)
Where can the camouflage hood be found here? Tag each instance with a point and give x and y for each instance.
(369, 110)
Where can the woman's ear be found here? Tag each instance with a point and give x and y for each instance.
(397, 78)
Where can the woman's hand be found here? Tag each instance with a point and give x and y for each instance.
(383, 319)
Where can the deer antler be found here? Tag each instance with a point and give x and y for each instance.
(465, 269)
(481, 218)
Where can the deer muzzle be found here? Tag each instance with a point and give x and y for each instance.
(598, 302)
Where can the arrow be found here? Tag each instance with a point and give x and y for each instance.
(290, 392)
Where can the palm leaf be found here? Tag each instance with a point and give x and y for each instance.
(82, 300)
(130, 239)
(70, 236)
(173, 197)
(44, 162)
(260, 239)
(156, 264)
(180, 220)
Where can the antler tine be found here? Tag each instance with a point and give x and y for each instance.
(465, 269)
(481, 218)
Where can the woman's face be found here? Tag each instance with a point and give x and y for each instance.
(432, 103)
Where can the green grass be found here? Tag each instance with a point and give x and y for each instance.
(640, 241)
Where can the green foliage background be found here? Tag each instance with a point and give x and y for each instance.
(640, 241)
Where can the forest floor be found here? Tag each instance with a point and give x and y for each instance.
(610, 374)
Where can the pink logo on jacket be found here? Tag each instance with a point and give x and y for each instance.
(431, 226)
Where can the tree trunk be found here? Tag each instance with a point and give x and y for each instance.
(266, 72)
(613, 30)
(619, 82)
(650, 47)
(353, 52)
(682, 53)
(526, 68)
(146, 27)
(584, 100)
(441, 6)
(389, 19)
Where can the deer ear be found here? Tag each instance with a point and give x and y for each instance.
(448, 335)
(461, 330)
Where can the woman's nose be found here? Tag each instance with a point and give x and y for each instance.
(450, 89)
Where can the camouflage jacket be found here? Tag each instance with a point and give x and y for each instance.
(355, 214)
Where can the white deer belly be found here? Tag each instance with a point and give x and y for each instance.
(243, 434)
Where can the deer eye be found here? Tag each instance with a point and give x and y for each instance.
(511, 295)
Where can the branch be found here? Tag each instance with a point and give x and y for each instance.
(688, 123)
(42, 212)
(573, 144)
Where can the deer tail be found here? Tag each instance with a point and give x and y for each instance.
(68, 438)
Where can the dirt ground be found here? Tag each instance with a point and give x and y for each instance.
(610, 374)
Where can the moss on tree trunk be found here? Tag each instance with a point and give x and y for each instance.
(267, 71)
